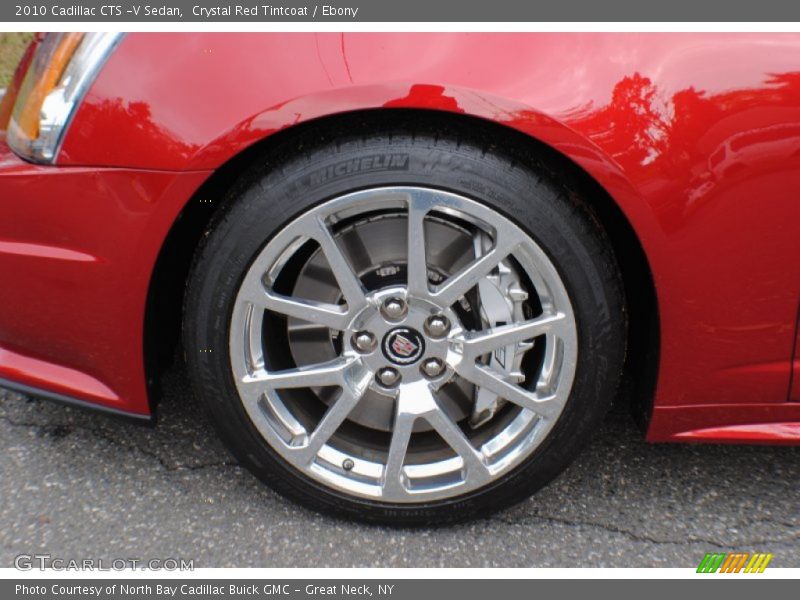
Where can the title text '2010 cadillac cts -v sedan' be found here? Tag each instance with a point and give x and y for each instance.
(408, 272)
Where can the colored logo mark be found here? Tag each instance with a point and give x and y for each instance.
(403, 346)
(737, 562)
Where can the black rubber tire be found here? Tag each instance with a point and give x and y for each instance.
(512, 181)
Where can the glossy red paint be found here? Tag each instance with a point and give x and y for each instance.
(695, 136)
(77, 248)
(794, 389)
(760, 433)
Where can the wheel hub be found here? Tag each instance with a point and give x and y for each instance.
(405, 346)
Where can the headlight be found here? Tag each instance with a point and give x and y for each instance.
(64, 66)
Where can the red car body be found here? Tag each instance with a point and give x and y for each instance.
(695, 137)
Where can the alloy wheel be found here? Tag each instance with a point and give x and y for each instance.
(403, 344)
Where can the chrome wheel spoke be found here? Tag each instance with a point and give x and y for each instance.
(476, 470)
(351, 287)
(326, 374)
(329, 315)
(348, 374)
(419, 402)
(404, 420)
(455, 286)
(329, 425)
(485, 377)
(484, 342)
(417, 259)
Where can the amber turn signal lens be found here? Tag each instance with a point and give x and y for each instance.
(61, 70)
(10, 97)
(42, 79)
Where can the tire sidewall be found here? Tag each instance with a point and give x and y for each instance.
(271, 195)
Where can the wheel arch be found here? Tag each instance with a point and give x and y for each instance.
(563, 151)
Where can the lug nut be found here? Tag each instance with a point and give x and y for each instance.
(432, 367)
(364, 341)
(437, 326)
(388, 377)
(394, 309)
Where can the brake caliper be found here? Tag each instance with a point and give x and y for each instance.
(501, 298)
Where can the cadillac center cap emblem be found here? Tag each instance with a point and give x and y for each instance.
(403, 345)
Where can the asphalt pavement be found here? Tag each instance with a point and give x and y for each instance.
(77, 485)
